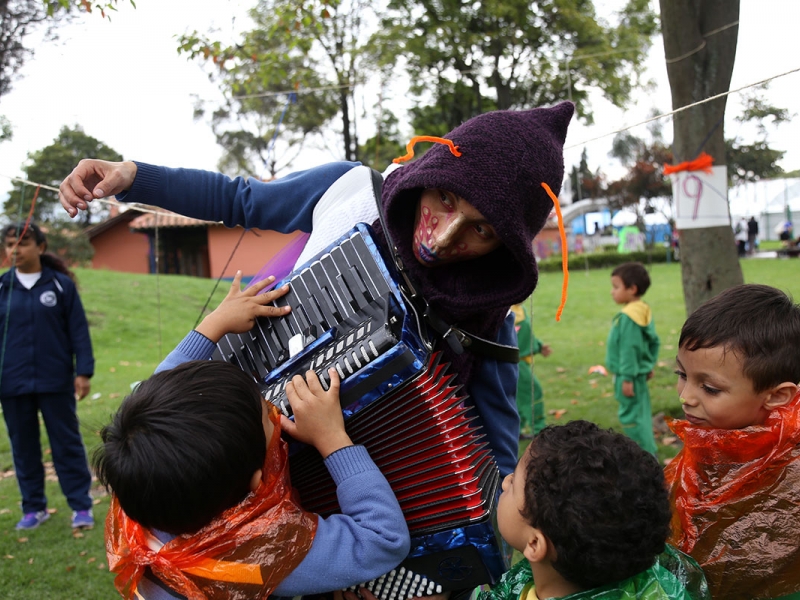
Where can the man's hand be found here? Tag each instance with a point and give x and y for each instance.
(92, 179)
(546, 350)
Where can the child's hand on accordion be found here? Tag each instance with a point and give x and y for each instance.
(317, 413)
(238, 310)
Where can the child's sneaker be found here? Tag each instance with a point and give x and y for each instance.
(82, 519)
(33, 520)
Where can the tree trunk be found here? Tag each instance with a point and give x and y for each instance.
(348, 141)
(699, 65)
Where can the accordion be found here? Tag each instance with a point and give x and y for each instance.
(398, 400)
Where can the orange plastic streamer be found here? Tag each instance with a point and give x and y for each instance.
(564, 250)
(735, 498)
(426, 138)
(701, 163)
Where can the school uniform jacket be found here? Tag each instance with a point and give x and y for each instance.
(46, 340)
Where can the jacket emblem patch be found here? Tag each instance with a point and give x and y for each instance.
(48, 298)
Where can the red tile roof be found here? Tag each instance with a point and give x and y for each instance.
(166, 219)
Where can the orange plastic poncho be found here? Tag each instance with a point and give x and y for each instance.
(244, 553)
(736, 495)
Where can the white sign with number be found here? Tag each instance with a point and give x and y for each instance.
(701, 199)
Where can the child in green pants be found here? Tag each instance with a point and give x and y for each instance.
(632, 352)
(531, 413)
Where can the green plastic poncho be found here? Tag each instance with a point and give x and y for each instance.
(674, 576)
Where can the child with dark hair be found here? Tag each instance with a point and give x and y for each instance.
(632, 352)
(588, 509)
(735, 483)
(202, 505)
(46, 364)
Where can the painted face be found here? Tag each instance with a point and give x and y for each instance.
(620, 293)
(714, 391)
(449, 229)
(27, 254)
(513, 526)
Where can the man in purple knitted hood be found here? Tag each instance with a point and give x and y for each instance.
(504, 158)
(462, 219)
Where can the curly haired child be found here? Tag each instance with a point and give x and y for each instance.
(588, 510)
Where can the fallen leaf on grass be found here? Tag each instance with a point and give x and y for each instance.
(124, 363)
(9, 556)
(558, 413)
(101, 566)
(607, 395)
(70, 568)
(82, 553)
(560, 370)
(667, 461)
(575, 402)
(77, 533)
(4, 511)
(113, 395)
(22, 540)
(669, 440)
(112, 369)
(30, 561)
(662, 364)
(91, 560)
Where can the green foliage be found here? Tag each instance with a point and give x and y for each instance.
(528, 53)
(585, 183)
(379, 151)
(603, 259)
(754, 161)
(49, 166)
(125, 312)
(67, 241)
(87, 5)
(645, 178)
(315, 48)
(6, 131)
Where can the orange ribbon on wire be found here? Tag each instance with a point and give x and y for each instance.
(701, 163)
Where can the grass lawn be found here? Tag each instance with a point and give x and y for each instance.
(136, 320)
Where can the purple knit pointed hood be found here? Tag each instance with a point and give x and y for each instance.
(505, 157)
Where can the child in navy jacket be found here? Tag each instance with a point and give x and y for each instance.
(46, 364)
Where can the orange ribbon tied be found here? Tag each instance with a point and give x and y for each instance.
(701, 163)
(426, 138)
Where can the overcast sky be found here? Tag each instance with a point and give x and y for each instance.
(125, 84)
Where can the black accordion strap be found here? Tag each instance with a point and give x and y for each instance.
(458, 339)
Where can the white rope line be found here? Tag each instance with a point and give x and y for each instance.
(682, 108)
(670, 61)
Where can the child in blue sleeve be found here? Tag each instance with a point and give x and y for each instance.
(201, 499)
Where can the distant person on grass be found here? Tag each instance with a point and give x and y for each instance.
(530, 396)
(201, 501)
(632, 352)
(46, 365)
(735, 485)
